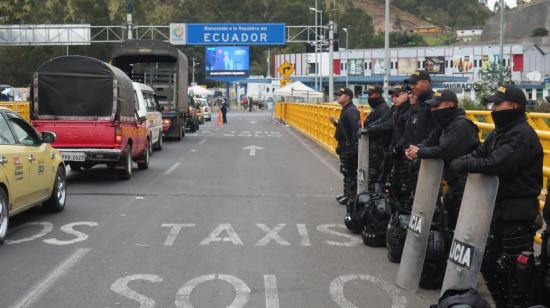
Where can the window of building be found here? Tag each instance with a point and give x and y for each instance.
(356, 67)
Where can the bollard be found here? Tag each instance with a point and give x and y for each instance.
(425, 200)
(472, 230)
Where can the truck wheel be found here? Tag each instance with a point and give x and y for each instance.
(58, 198)
(4, 216)
(144, 165)
(126, 163)
(158, 146)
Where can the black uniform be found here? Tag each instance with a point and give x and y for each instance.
(376, 143)
(346, 135)
(512, 152)
(224, 108)
(453, 137)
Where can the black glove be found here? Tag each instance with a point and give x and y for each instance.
(457, 166)
(397, 151)
(364, 131)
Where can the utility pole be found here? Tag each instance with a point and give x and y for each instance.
(501, 57)
(331, 61)
(269, 63)
(387, 49)
(321, 54)
(193, 81)
(316, 44)
(129, 21)
(347, 55)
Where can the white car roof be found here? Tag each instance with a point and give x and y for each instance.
(142, 87)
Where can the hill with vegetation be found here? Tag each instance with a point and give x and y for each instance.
(18, 63)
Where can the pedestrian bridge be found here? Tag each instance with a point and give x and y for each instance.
(312, 121)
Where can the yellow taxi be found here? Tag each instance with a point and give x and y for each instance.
(31, 170)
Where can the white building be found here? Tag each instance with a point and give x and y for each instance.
(467, 35)
(447, 64)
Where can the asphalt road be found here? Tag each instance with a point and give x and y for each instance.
(208, 225)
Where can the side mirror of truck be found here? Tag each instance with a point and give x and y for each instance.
(48, 137)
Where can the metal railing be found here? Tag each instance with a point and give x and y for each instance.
(312, 121)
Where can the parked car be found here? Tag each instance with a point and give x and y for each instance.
(150, 108)
(31, 170)
(92, 108)
(206, 109)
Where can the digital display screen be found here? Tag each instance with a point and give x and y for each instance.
(227, 62)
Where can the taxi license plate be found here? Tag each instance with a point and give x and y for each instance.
(73, 156)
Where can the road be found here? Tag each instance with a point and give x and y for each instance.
(208, 225)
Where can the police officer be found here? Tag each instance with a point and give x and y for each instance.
(347, 128)
(514, 153)
(389, 129)
(454, 136)
(421, 86)
(377, 144)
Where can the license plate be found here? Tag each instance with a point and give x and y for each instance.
(73, 156)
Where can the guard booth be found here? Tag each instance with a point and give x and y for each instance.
(164, 68)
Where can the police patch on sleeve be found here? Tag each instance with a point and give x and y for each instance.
(461, 254)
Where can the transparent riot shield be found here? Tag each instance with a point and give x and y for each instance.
(363, 164)
(472, 230)
(425, 200)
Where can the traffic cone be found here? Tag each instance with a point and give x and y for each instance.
(219, 118)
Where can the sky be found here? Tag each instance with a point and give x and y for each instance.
(511, 3)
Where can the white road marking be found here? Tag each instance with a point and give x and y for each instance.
(252, 122)
(304, 236)
(69, 229)
(215, 236)
(120, 286)
(353, 241)
(193, 150)
(252, 149)
(40, 288)
(174, 167)
(47, 227)
(175, 230)
(272, 234)
(242, 291)
(139, 198)
(202, 141)
(336, 290)
(192, 134)
(326, 163)
(271, 291)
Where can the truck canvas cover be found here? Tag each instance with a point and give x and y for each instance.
(130, 56)
(82, 88)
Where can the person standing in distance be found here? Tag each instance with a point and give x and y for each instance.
(347, 128)
(512, 152)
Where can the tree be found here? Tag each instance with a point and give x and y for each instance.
(539, 32)
(489, 78)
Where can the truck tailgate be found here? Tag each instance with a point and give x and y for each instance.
(79, 134)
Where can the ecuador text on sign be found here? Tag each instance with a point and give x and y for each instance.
(236, 34)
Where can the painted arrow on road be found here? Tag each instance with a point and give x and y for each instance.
(252, 149)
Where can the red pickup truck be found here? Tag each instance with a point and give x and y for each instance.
(91, 107)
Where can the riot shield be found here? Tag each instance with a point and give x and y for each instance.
(418, 233)
(363, 164)
(472, 230)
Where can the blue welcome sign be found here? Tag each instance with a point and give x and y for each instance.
(236, 34)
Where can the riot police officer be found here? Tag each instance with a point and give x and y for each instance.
(514, 153)
(347, 128)
(454, 136)
(379, 110)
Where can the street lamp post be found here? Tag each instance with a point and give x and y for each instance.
(316, 43)
(347, 56)
(501, 57)
(387, 48)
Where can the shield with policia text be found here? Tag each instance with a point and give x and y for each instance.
(472, 230)
(418, 233)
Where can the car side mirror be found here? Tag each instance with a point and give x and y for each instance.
(48, 137)
(142, 119)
